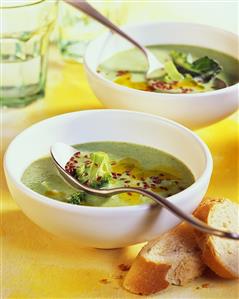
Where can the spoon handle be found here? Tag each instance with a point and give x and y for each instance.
(92, 12)
(198, 224)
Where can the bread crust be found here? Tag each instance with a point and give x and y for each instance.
(173, 258)
(205, 241)
(146, 277)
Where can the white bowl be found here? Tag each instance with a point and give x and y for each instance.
(192, 110)
(106, 227)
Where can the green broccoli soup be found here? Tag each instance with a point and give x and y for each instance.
(187, 69)
(107, 165)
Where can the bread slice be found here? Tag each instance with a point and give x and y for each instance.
(221, 255)
(173, 258)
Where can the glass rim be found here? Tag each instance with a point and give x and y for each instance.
(2, 6)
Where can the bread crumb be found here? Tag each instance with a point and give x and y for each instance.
(104, 281)
(124, 267)
(205, 285)
(119, 276)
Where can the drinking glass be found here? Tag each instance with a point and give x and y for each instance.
(24, 39)
(76, 29)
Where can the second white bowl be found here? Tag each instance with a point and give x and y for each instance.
(192, 110)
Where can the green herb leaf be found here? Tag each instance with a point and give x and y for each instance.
(206, 67)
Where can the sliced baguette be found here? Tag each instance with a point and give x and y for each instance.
(221, 255)
(173, 258)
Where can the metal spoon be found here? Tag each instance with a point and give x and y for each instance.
(61, 154)
(153, 63)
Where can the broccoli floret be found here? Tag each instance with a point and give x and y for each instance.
(204, 67)
(81, 172)
(95, 171)
(100, 184)
(172, 71)
(181, 61)
(77, 198)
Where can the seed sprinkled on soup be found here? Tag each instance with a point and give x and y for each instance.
(187, 69)
(108, 165)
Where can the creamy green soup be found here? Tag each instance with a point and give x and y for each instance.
(130, 165)
(187, 69)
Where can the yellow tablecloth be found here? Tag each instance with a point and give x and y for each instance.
(36, 264)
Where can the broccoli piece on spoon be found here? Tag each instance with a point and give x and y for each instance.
(94, 171)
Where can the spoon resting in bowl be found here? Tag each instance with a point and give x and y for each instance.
(61, 154)
(154, 65)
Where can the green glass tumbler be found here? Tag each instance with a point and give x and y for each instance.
(24, 41)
